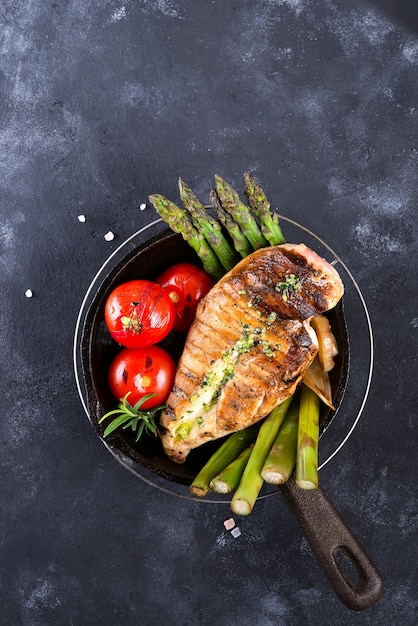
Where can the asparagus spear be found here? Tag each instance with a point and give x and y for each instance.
(308, 433)
(259, 204)
(281, 460)
(241, 243)
(251, 482)
(210, 227)
(229, 478)
(225, 454)
(178, 222)
(240, 212)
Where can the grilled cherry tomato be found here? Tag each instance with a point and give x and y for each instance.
(139, 313)
(186, 285)
(142, 371)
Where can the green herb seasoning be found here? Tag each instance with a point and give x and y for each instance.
(268, 349)
(291, 283)
(272, 317)
(131, 323)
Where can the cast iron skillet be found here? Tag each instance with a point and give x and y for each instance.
(354, 577)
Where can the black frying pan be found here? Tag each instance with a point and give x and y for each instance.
(350, 571)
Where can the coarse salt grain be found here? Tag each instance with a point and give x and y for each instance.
(81, 218)
(235, 532)
(142, 206)
(29, 293)
(229, 523)
(109, 236)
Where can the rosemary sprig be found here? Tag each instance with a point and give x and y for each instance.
(132, 417)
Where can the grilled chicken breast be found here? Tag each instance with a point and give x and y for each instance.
(249, 346)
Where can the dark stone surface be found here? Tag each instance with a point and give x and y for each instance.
(105, 102)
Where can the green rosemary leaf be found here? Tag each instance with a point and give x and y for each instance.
(140, 431)
(114, 412)
(141, 401)
(114, 424)
(132, 417)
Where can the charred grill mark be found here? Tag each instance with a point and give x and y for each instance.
(186, 382)
(290, 380)
(179, 392)
(170, 414)
(297, 352)
(257, 284)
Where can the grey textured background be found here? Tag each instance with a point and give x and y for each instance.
(105, 102)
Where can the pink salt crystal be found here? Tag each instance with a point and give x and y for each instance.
(229, 523)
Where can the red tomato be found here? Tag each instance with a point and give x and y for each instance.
(142, 371)
(139, 313)
(186, 285)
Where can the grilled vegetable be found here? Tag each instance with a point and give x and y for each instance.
(317, 379)
(227, 452)
(241, 243)
(240, 212)
(308, 433)
(142, 371)
(177, 219)
(185, 285)
(326, 341)
(139, 313)
(229, 478)
(210, 228)
(260, 206)
(251, 482)
(281, 460)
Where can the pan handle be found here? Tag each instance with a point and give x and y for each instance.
(352, 574)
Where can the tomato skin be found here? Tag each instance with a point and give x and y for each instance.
(141, 371)
(139, 313)
(186, 285)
